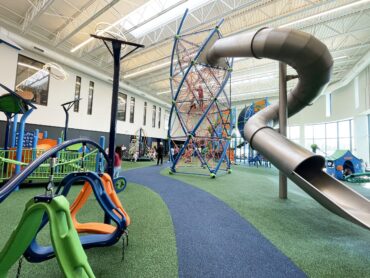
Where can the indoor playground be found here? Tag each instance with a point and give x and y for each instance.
(184, 138)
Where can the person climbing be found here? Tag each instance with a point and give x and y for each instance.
(200, 96)
(193, 104)
(160, 153)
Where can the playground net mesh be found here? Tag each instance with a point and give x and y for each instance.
(200, 125)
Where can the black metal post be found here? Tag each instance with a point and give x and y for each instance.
(140, 140)
(283, 117)
(66, 124)
(116, 45)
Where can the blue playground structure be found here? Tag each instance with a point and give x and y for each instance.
(244, 153)
(343, 163)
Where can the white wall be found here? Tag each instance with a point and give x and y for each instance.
(63, 91)
(343, 107)
(9, 57)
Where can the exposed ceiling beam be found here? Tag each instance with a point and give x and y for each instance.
(33, 12)
(82, 19)
(356, 70)
(72, 63)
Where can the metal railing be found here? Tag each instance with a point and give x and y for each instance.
(67, 162)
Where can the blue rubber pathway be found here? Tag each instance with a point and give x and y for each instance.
(212, 239)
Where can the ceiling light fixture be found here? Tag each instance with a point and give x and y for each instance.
(163, 19)
(128, 17)
(340, 57)
(29, 66)
(141, 72)
(162, 93)
(149, 16)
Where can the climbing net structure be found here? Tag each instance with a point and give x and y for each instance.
(200, 120)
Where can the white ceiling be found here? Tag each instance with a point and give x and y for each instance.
(63, 24)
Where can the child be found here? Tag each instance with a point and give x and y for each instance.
(117, 161)
(136, 156)
(193, 105)
(200, 96)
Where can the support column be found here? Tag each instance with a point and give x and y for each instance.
(283, 118)
(113, 116)
(65, 124)
(19, 152)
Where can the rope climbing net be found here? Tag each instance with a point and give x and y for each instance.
(200, 120)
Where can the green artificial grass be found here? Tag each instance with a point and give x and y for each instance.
(318, 241)
(128, 165)
(152, 245)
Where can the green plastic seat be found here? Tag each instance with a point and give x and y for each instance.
(69, 252)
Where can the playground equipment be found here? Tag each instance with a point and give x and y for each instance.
(69, 160)
(138, 145)
(343, 163)
(200, 119)
(248, 111)
(13, 104)
(116, 39)
(70, 255)
(99, 228)
(313, 62)
(244, 153)
(66, 107)
(103, 234)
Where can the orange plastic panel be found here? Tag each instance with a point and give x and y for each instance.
(83, 196)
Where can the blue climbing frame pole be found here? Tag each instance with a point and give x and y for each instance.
(7, 130)
(99, 160)
(14, 130)
(34, 144)
(191, 133)
(22, 125)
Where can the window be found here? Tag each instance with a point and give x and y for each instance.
(144, 116)
(122, 105)
(344, 135)
(76, 107)
(166, 119)
(154, 112)
(294, 133)
(31, 76)
(328, 104)
(132, 110)
(330, 137)
(90, 98)
(159, 116)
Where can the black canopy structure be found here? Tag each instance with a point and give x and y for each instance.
(115, 51)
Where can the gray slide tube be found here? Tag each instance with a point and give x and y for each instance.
(313, 63)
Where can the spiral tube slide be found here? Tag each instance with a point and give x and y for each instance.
(313, 63)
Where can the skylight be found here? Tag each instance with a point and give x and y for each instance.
(155, 7)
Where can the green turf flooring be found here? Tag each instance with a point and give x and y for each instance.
(152, 245)
(127, 165)
(319, 242)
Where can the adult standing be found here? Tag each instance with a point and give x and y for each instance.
(160, 150)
